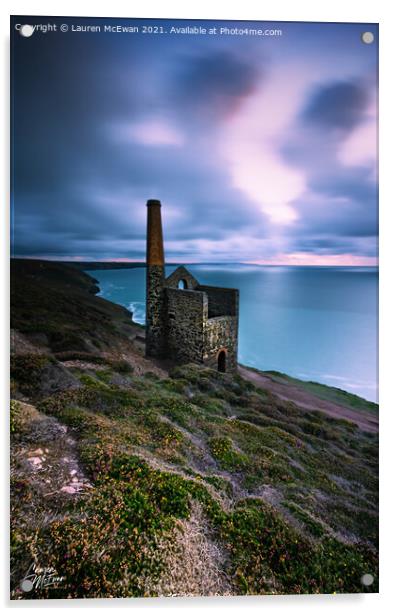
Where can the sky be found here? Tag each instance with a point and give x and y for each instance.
(262, 149)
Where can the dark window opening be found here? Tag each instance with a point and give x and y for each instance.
(222, 361)
(182, 284)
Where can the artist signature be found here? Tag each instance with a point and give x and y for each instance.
(38, 577)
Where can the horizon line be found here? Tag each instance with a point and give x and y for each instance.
(186, 262)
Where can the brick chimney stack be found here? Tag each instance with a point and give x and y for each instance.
(155, 254)
(155, 276)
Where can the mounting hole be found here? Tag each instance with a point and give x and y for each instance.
(26, 30)
(27, 585)
(367, 579)
(367, 37)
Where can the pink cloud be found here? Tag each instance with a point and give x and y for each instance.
(307, 258)
(251, 142)
(360, 147)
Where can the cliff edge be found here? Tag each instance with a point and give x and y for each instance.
(132, 477)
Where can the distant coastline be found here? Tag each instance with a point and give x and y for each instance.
(103, 265)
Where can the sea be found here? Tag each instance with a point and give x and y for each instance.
(313, 323)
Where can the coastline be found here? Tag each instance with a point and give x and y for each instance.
(103, 437)
(268, 369)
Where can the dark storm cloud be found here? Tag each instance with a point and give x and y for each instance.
(83, 184)
(338, 211)
(215, 83)
(337, 105)
(343, 204)
(82, 171)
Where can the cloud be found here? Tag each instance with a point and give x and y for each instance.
(213, 84)
(333, 141)
(149, 132)
(307, 258)
(360, 147)
(254, 149)
(251, 145)
(338, 105)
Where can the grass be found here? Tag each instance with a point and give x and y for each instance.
(222, 450)
(28, 371)
(108, 543)
(325, 392)
(288, 495)
(58, 304)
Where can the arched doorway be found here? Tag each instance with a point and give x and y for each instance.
(222, 361)
(182, 284)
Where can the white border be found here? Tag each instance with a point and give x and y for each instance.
(290, 10)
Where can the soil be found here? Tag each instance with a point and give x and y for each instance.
(292, 393)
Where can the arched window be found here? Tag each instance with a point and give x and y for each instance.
(182, 284)
(222, 361)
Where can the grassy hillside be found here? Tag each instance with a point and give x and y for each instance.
(129, 479)
(332, 394)
(56, 306)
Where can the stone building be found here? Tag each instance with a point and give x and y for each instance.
(186, 321)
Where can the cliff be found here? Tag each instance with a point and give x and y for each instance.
(133, 478)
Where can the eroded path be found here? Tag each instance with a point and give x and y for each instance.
(290, 392)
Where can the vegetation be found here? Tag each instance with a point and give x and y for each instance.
(56, 306)
(288, 497)
(332, 394)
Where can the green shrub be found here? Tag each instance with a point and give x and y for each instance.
(122, 366)
(28, 370)
(314, 527)
(15, 410)
(222, 450)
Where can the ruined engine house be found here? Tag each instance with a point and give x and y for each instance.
(186, 321)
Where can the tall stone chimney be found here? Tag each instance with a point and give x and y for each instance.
(155, 276)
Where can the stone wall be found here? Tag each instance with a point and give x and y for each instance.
(181, 273)
(221, 301)
(155, 312)
(220, 333)
(186, 313)
(190, 325)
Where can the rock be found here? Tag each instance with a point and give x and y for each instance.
(56, 377)
(36, 462)
(68, 489)
(44, 428)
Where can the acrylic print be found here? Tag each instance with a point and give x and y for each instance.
(194, 308)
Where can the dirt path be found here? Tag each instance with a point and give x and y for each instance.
(46, 456)
(46, 477)
(365, 420)
(195, 561)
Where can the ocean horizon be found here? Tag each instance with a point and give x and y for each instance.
(315, 323)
